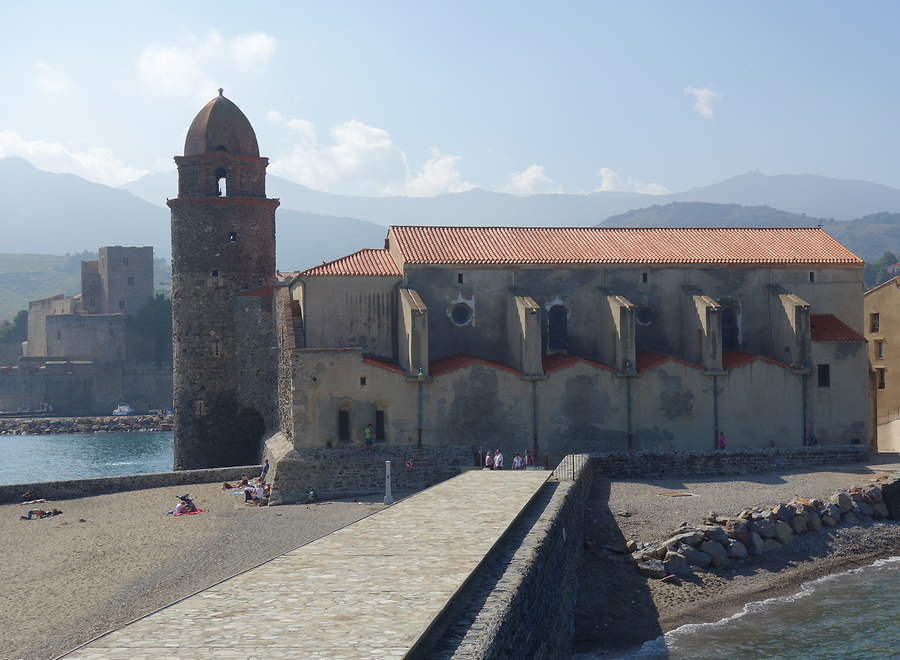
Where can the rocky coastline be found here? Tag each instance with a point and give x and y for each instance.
(54, 425)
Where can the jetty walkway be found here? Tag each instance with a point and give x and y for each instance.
(369, 590)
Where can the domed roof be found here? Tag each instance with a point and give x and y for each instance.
(221, 126)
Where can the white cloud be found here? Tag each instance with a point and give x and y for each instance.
(706, 98)
(97, 164)
(531, 181)
(612, 182)
(187, 69)
(50, 79)
(360, 160)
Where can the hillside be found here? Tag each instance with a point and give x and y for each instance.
(25, 277)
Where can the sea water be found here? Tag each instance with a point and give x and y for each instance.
(850, 615)
(26, 459)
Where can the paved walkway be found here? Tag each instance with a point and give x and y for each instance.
(369, 590)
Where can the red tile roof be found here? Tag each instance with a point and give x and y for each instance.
(363, 262)
(646, 360)
(451, 363)
(590, 246)
(559, 361)
(383, 364)
(735, 359)
(828, 327)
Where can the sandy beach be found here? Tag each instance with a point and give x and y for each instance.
(109, 559)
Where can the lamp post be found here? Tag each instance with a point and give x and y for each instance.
(388, 500)
(421, 377)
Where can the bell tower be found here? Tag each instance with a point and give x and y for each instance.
(223, 244)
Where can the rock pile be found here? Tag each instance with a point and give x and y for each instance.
(51, 425)
(719, 540)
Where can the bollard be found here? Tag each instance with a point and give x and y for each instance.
(388, 500)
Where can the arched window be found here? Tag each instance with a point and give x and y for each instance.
(730, 339)
(557, 334)
(220, 181)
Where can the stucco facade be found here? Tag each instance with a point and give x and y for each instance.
(600, 356)
(882, 329)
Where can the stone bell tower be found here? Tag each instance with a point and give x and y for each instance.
(223, 246)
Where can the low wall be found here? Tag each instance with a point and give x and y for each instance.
(345, 471)
(62, 490)
(723, 462)
(521, 602)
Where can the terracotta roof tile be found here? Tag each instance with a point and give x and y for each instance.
(735, 359)
(451, 363)
(646, 360)
(559, 361)
(589, 246)
(363, 262)
(828, 327)
(384, 364)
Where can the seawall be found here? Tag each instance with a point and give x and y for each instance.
(24, 425)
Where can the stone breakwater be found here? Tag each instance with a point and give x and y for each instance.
(719, 540)
(52, 425)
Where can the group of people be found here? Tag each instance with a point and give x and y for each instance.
(494, 461)
(253, 493)
(40, 513)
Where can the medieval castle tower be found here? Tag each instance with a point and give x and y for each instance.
(223, 276)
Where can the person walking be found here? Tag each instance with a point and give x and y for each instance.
(489, 461)
(265, 471)
(498, 460)
(517, 462)
(370, 440)
(529, 460)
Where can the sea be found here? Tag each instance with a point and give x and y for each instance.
(851, 615)
(25, 459)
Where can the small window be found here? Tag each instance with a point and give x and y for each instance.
(644, 277)
(199, 408)
(461, 314)
(880, 349)
(343, 425)
(730, 341)
(362, 381)
(121, 304)
(881, 379)
(221, 188)
(459, 278)
(232, 237)
(92, 302)
(644, 315)
(130, 281)
(215, 272)
(812, 276)
(217, 349)
(824, 375)
(58, 334)
(557, 329)
(379, 425)
(124, 261)
(874, 322)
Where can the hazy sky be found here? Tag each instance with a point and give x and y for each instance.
(424, 98)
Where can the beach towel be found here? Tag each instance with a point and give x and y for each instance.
(185, 513)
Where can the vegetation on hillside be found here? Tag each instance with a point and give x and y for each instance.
(15, 331)
(149, 332)
(876, 273)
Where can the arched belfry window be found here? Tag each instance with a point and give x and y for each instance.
(730, 339)
(557, 333)
(220, 181)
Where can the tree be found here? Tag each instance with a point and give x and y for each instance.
(876, 273)
(149, 331)
(15, 331)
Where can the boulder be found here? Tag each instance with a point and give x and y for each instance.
(764, 514)
(631, 546)
(695, 557)
(737, 550)
(874, 492)
(692, 537)
(798, 523)
(770, 545)
(828, 521)
(783, 512)
(863, 508)
(843, 501)
(653, 568)
(764, 528)
(814, 524)
(879, 510)
(676, 563)
(783, 533)
(755, 545)
(738, 529)
(833, 511)
(850, 518)
(716, 552)
(715, 533)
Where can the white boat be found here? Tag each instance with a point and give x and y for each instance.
(122, 410)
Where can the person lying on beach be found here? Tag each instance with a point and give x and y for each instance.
(40, 513)
(41, 501)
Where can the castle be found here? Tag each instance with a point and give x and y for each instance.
(552, 340)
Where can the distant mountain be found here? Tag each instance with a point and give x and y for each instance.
(303, 240)
(840, 199)
(868, 237)
(44, 213)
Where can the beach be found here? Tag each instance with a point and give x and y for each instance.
(109, 559)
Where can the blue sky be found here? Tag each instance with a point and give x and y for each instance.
(425, 98)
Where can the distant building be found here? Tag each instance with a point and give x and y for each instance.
(893, 270)
(882, 329)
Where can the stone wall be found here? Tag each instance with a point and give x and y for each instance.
(47, 425)
(342, 471)
(521, 602)
(722, 463)
(62, 490)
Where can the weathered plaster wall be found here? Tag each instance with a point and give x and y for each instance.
(839, 413)
(99, 338)
(127, 278)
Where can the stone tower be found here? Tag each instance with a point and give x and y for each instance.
(223, 247)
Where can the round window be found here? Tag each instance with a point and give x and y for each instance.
(644, 315)
(461, 314)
